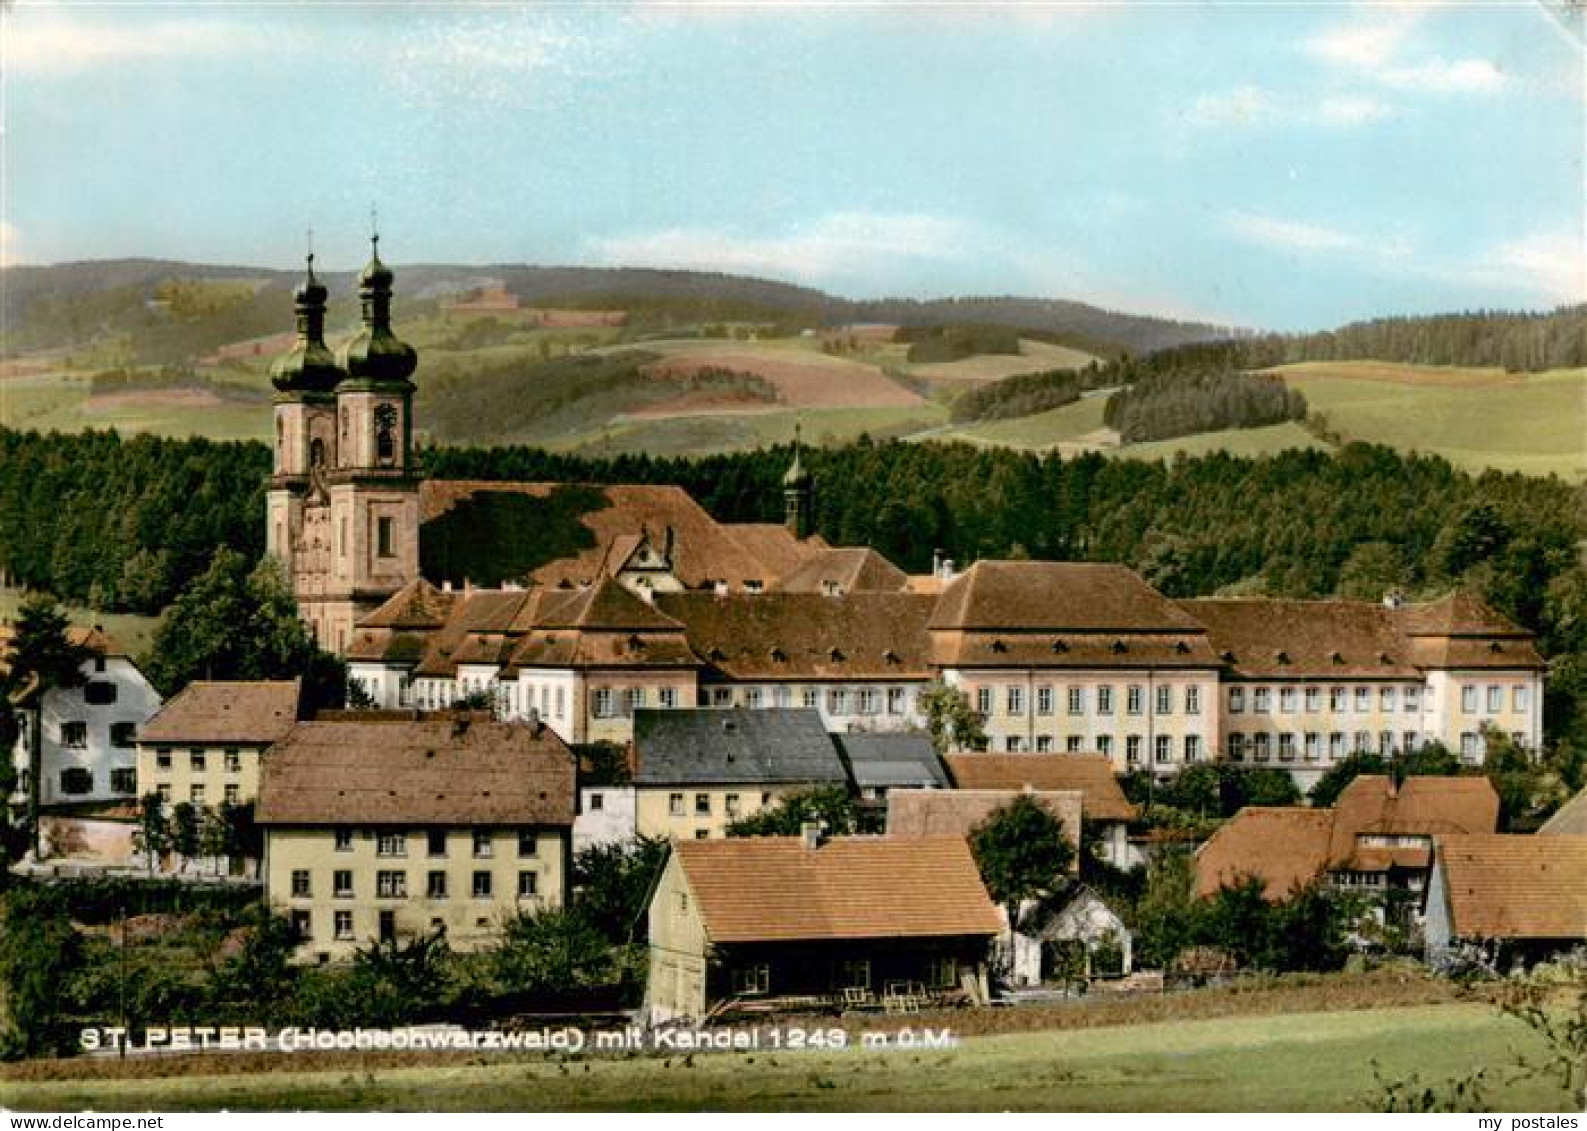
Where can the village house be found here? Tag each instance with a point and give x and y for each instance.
(696, 772)
(878, 764)
(851, 922)
(1514, 900)
(1103, 804)
(394, 827)
(204, 746)
(1377, 839)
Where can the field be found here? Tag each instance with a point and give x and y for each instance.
(804, 378)
(1034, 357)
(132, 632)
(1319, 1062)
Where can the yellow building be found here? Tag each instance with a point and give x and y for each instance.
(204, 746)
(383, 828)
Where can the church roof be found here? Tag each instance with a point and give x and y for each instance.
(847, 569)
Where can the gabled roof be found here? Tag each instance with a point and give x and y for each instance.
(1420, 806)
(845, 570)
(253, 713)
(957, 812)
(1285, 848)
(774, 889)
(1569, 820)
(710, 746)
(1264, 637)
(774, 546)
(1515, 887)
(1056, 597)
(417, 604)
(1091, 774)
(888, 760)
(454, 769)
(1459, 613)
(604, 605)
(773, 636)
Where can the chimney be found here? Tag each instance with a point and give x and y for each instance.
(936, 563)
(446, 586)
(947, 569)
(810, 833)
(1393, 599)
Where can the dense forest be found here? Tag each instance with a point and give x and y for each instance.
(1517, 342)
(1026, 394)
(1160, 406)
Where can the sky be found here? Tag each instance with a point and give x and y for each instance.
(1282, 166)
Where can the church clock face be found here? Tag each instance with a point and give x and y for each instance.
(386, 434)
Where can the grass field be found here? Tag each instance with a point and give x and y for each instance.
(743, 431)
(1034, 357)
(1319, 1062)
(131, 631)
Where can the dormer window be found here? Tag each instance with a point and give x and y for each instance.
(1119, 647)
(1059, 647)
(1182, 648)
(1337, 658)
(835, 655)
(1282, 657)
(890, 656)
(999, 647)
(779, 656)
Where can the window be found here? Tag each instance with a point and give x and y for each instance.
(1014, 744)
(1518, 697)
(1386, 743)
(1261, 746)
(1132, 749)
(195, 794)
(1236, 747)
(1363, 700)
(435, 885)
(1262, 700)
(983, 700)
(391, 844)
(943, 970)
(1192, 699)
(1468, 745)
(1385, 698)
(435, 842)
(526, 885)
(74, 735)
(233, 794)
(603, 703)
(1074, 744)
(75, 780)
(1313, 700)
(854, 975)
(811, 698)
(1164, 748)
(1105, 699)
(163, 791)
(528, 843)
(561, 702)
(124, 780)
(730, 805)
(1016, 700)
(300, 884)
(99, 693)
(1105, 745)
(675, 805)
(1286, 747)
(162, 758)
(1412, 694)
(783, 697)
(1192, 748)
(752, 698)
(1165, 699)
(1236, 700)
(123, 734)
(302, 924)
(1495, 698)
(483, 846)
(344, 925)
(1363, 742)
(1409, 742)
(197, 761)
(1313, 746)
(1286, 700)
(668, 698)
(702, 804)
(1044, 700)
(342, 883)
(391, 885)
(1132, 699)
(233, 761)
(702, 834)
(895, 700)
(751, 979)
(1077, 700)
(870, 701)
(386, 434)
(838, 702)
(383, 539)
(344, 840)
(482, 885)
(1468, 699)
(1336, 699)
(597, 802)
(1336, 745)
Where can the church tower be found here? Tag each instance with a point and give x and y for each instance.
(796, 483)
(305, 379)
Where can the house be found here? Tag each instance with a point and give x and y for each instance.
(1103, 804)
(881, 763)
(607, 800)
(958, 812)
(393, 827)
(78, 745)
(1070, 932)
(1520, 898)
(851, 921)
(696, 772)
(204, 746)
(1377, 838)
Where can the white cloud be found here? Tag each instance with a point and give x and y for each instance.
(1550, 264)
(1379, 44)
(1366, 42)
(1250, 107)
(1289, 235)
(1441, 76)
(39, 40)
(1344, 111)
(838, 245)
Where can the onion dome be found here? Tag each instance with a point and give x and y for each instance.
(309, 366)
(377, 354)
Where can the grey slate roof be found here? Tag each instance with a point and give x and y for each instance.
(889, 760)
(730, 746)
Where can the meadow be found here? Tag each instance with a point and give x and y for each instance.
(1313, 1062)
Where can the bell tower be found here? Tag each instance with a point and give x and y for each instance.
(796, 483)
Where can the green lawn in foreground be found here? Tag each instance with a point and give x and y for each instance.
(1314, 1061)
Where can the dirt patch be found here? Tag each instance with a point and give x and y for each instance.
(802, 381)
(146, 399)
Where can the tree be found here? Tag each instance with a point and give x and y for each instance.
(612, 883)
(1022, 852)
(1167, 917)
(552, 949)
(1372, 570)
(260, 977)
(39, 953)
(831, 807)
(152, 836)
(184, 831)
(952, 723)
(403, 980)
(212, 835)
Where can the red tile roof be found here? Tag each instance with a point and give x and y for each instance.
(1057, 597)
(774, 889)
(957, 812)
(1285, 848)
(1089, 774)
(249, 713)
(845, 570)
(1515, 887)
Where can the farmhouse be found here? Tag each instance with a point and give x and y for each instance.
(393, 827)
(853, 921)
(204, 746)
(1519, 898)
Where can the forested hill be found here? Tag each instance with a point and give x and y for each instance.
(1513, 341)
(57, 305)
